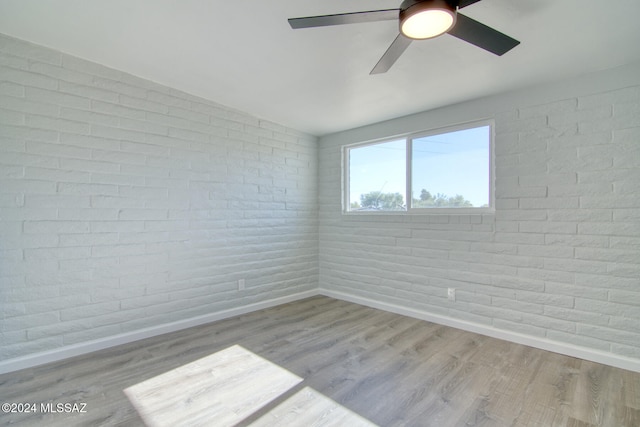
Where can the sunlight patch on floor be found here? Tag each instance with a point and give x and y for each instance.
(224, 388)
(229, 387)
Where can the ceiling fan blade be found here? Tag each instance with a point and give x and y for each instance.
(487, 38)
(465, 3)
(344, 18)
(399, 45)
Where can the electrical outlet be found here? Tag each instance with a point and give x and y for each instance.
(241, 284)
(451, 294)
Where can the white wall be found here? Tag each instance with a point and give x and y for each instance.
(558, 262)
(126, 205)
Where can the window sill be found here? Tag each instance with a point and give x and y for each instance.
(425, 212)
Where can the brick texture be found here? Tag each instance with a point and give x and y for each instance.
(559, 259)
(125, 204)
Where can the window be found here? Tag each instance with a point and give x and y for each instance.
(378, 177)
(444, 170)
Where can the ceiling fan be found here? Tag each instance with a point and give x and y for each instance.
(419, 20)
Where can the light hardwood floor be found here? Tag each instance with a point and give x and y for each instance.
(356, 366)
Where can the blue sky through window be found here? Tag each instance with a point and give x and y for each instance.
(378, 167)
(453, 163)
(449, 163)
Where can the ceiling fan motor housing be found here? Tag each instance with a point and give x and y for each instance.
(410, 10)
(449, 4)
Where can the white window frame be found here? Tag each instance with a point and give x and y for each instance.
(346, 204)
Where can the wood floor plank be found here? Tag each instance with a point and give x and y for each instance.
(308, 407)
(358, 366)
(227, 387)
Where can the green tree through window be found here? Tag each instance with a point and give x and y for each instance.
(428, 200)
(377, 200)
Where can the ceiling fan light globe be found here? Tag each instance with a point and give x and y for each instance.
(426, 19)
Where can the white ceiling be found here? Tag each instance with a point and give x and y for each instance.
(242, 53)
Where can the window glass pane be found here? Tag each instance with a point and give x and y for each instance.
(451, 170)
(377, 177)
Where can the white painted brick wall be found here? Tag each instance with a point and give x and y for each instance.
(560, 259)
(125, 204)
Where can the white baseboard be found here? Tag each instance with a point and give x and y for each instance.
(593, 355)
(103, 343)
(56, 354)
